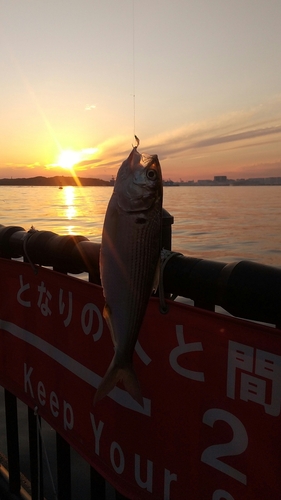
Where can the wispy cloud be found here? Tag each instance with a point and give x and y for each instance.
(24, 165)
(195, 141)
(85, 164)
(248, 133)
(241, 136)
(90, 107)
(16, 165)
(34, 165)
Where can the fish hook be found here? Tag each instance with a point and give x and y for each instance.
(137, 141)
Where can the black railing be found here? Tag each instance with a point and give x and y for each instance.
(42, 482)
(244, 289)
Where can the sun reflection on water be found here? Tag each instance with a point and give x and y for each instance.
(75, 208)
(69, 195)
(69, 208)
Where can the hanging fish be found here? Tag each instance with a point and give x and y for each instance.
(129, 260)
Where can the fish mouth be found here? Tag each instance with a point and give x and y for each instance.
(143, 160)
(147, 160)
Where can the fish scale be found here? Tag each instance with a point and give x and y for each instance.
(137, 267)
(141, 265)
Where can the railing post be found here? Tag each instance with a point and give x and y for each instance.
(35, 454)
(63, 468)
(167, 221)
(119, 496)
(12, 442)
(97, 485)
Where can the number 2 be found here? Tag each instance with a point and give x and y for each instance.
(236, 446)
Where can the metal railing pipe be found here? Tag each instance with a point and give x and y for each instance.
(245, 289)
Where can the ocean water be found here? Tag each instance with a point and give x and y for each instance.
(229, 223)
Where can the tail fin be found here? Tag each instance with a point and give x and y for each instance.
(113, 375)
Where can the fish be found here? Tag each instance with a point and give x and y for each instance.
(129, 262)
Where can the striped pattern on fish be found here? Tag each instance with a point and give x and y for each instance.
(130, 254)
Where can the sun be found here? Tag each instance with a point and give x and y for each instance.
(68, 158)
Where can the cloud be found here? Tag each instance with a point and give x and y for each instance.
(91, 161)
(198, 141)
(17, 165)
(241, 136)
(244, 128)
(34, 165)
(82, 165)
(90, 107)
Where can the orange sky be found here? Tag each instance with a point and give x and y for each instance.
(202, 91)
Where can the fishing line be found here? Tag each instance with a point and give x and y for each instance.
(134, 70)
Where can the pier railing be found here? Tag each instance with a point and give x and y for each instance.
(244, 289)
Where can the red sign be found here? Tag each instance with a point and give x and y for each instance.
(210, 426)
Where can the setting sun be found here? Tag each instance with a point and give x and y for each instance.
(68, 158)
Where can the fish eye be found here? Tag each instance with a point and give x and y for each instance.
(151, 174)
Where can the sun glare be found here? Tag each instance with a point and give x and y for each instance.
(68, 158)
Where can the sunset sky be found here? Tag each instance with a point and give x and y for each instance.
(198, 81)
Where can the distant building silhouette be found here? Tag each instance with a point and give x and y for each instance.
(220, 178)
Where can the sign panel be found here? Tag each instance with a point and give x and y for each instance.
(210, 425)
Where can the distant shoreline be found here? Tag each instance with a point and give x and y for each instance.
(61, 181)
(224, 181)
(58, 181)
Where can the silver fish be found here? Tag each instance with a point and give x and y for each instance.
(129, 259)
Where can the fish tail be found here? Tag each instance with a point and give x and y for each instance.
(113, 375)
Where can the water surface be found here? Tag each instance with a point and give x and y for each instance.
(219, 223)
